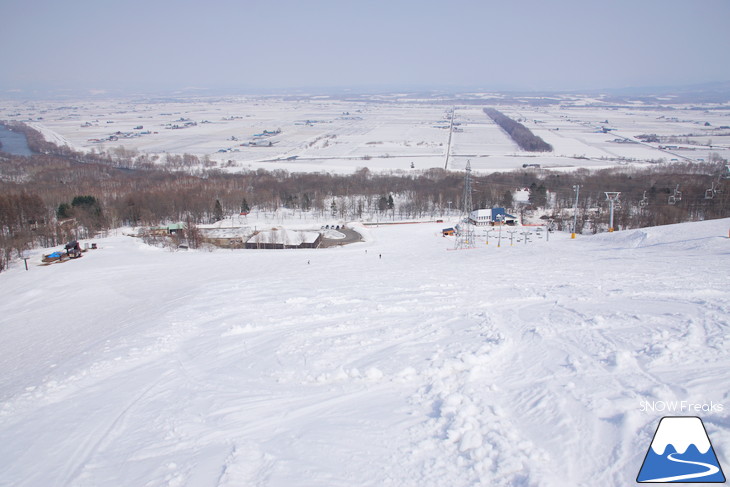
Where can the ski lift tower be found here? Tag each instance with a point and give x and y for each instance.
(575, 210)
(612, 197)
(465, 238)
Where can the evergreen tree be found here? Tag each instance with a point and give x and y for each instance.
(87, 211)
(63, 211)
(217, 211)
(507, 199)
(382, 203)
(83, 201)
(538, 195)
(245, 209)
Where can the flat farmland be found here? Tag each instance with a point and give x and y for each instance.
(323, 134)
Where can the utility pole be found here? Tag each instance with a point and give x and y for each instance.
(547, 230)
(526, 235)
(451, 132)
(487, 234)
(501, 221)
(612, 197)
(575, 209)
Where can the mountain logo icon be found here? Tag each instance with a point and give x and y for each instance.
(681, 452)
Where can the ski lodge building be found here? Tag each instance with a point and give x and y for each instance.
(491, 217)
(281, 238)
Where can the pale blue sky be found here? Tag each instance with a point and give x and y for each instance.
(148, 45)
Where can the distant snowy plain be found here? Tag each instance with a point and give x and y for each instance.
(394, 134)
(391, 362)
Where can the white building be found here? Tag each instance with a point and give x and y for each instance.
(491, 216)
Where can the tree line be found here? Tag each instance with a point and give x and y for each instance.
(58, 195)
(521, 135)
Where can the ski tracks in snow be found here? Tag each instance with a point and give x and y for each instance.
(468, 435)
(354, 370)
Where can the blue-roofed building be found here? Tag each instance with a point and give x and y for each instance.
(491, 217)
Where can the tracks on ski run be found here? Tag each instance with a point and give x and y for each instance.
(261, 369)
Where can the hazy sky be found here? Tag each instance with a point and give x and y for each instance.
(147, 45)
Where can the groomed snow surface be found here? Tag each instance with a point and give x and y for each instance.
(391, 362)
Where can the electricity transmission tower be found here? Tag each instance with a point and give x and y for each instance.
(465, 239)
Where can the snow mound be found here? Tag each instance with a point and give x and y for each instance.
(711, 236)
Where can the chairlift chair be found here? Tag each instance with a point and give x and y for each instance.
(710, 193)
(677, 196)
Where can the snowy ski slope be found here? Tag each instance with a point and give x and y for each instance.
(388, 362)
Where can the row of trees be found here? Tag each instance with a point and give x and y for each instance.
(52, 197)
(521, 135)
(652, 196)
(26, 220)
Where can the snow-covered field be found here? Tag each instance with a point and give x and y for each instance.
(388, 362)
(383, 134)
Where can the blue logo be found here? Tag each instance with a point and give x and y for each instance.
(681, 452)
